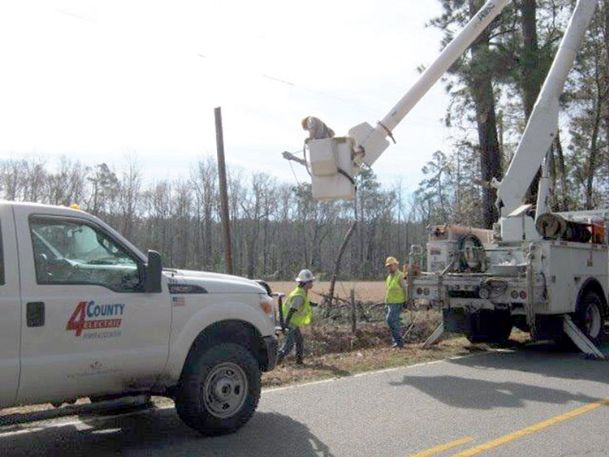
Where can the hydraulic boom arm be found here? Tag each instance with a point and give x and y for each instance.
(543, 123)
(334, 161)
(372, 141)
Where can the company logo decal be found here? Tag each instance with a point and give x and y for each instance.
(88, 315)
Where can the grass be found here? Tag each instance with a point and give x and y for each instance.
(347, 364)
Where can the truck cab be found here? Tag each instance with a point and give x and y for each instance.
(86, 314)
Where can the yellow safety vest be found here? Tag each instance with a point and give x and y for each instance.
(304, 314)
(395, 292)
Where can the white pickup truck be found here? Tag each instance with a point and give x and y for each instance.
(83, 313)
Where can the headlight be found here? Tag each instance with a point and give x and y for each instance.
(484, 292)
(267, 306)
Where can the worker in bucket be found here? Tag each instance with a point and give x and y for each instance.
(316, 128)
(395, 298)
(297, 312)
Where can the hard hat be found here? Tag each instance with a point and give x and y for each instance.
(305, 276)
(391, 261)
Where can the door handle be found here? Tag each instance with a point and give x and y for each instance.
(35, 314)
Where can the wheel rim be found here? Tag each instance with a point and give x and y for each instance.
(225, 390)
(592, 320)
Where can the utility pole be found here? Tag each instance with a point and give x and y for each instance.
(353, 312)
(228, 251)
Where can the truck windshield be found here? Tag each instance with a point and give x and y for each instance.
(68, 251)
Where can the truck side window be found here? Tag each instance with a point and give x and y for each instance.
(70, 251)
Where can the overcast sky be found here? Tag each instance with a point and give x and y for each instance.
(100, 80)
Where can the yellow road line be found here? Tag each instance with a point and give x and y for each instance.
(443, 447)
(531, 429)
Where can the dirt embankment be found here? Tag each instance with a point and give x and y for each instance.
(333, 350)
(372, 357)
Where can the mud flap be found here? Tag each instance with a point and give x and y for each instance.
(580, 340)
(435, 337)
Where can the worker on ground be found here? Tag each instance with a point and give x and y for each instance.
(395, 298)
(297, 312)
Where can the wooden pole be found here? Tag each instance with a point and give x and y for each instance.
(353, 313)
(228, 251)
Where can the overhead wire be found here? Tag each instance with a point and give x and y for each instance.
(264, 75)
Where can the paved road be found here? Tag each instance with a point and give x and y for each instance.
(529, 402)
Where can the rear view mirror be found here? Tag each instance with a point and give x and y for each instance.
(153, 273)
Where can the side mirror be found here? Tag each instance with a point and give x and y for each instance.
(153, 273)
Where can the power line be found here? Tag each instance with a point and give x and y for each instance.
(419, 120)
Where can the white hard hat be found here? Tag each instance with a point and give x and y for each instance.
(305, 276)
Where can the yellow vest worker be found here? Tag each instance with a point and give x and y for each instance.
(297, 312)
(299, 300)
(395, 293)
(395, 297)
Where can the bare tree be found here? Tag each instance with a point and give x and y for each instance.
(129, 196)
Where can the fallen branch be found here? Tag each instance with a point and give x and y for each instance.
(328, 298)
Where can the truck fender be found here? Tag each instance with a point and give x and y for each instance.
(595, 285)
(183, 339)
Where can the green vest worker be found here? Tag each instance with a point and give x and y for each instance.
(297, 312)
(395, 297)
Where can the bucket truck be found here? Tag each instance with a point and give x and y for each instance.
(543, 272)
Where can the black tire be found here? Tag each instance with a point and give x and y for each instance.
(490, 327)
(228, 370)
(590, 308)
(587, 302)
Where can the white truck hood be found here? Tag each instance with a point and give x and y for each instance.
(213, 283)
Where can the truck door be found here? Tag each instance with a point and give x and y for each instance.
(98, 332)
(10, 309)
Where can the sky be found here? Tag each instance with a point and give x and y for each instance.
(100, 81)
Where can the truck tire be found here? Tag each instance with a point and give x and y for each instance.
(490, 327)
(219, 389)
(589, 316)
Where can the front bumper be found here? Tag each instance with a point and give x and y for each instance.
(270, 345)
